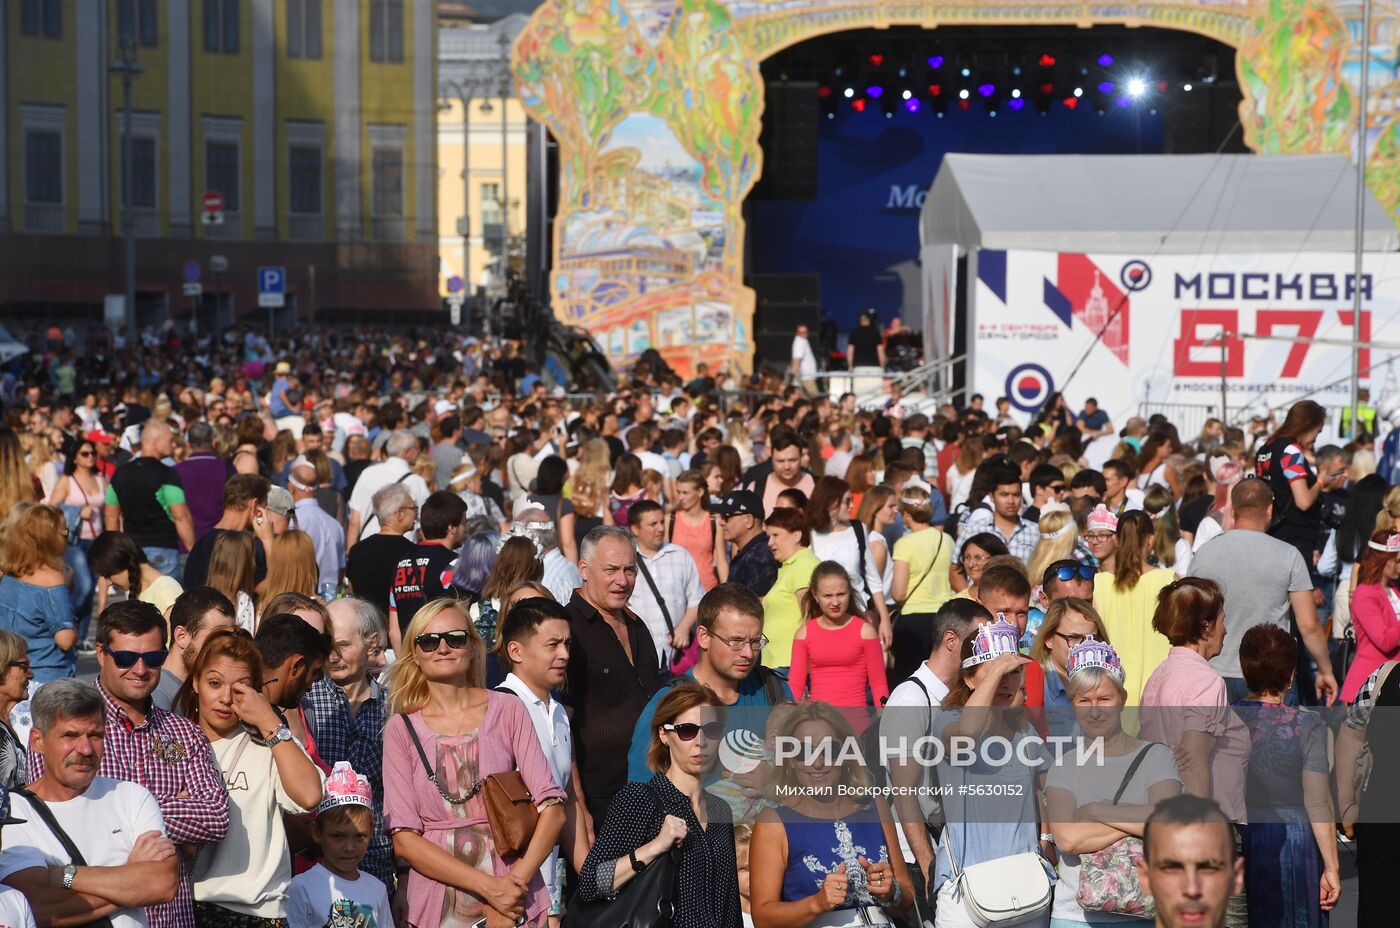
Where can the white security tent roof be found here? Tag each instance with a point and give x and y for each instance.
(1150, 204)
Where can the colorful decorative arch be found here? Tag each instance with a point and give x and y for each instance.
(657, 106)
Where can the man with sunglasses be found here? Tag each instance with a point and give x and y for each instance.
(165, 753)
(1046, 484)
(1064, 579)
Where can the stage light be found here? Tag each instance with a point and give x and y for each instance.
(1137, 87)
(1105, 60)
(986, 90)
(1016, 103)
(902, 72)
(1162, 86)
(966, 72)
(963, 94)
(1106, 87)
(1071, 102)
(1047, 60)
(877, 59)
(911, 104)
(849, 92)
(823, 91)
(1016, 71)
(1186, 87)
(1016, 93)
(1125, 101)
(935, 61)
(1047, 88)
(907, 94)
(992, 113)
(839, 72)
(858, 106)
(1079, 91)
(935, 90)
(874, 91)
(964, 104)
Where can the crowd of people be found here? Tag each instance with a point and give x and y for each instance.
(388, 631)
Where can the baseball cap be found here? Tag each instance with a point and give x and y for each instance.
(283, 367)
(741, 502)
(443, 407)
(279, 500)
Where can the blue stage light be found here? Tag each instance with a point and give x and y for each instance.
(912, 104)
(1105, 60)
(1106, 87)
(874, 91)
(1016, 103)
(935, 61)
(987, 90)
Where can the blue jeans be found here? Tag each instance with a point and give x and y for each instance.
(84, 588)
(165, 560)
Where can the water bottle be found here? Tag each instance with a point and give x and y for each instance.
(327, 592)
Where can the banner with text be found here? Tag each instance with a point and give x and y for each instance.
(1151, 327)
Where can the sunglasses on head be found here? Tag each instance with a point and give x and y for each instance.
(126, 660)
(1067, 573)
(430, 641)
(686, 731)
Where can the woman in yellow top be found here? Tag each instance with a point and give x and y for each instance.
(920, 586)
(1127, 599)
(790, 541)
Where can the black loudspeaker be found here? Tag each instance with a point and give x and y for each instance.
(774, 349)
(785, 301)
(789, 141)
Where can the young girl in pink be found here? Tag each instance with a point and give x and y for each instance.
(836, 654)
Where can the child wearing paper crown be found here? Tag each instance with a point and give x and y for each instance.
(335, 893)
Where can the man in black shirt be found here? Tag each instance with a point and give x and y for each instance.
(753, 566)
(866, 346)
(425, 574)
(147, 501)
(613, 667)
(370, 565)
(357, 458)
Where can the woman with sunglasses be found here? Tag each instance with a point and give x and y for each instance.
(242, 880)
(1067, 623)
(450, 733)
(673, 811)
(15, 676)
(81, 488)
(34, 593)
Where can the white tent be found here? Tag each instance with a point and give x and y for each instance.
(1150, 204)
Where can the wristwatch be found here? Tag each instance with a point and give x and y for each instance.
(637, 865)
(1048, 838)
(283, 733)
(69, 872)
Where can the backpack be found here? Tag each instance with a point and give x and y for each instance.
(870, 739)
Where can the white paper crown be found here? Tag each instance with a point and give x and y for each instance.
(993, 640)
(1094, 653)
(1391, 545)
(1101, 519)
(345, 787)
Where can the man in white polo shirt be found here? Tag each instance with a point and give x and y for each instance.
(70, 814)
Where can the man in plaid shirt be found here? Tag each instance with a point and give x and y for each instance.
(165, 753)
(1004, 518)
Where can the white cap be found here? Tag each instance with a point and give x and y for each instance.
(443, 407)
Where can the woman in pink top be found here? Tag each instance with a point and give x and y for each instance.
(438, 822)
(1375, 610)
(836, 653)
(1184, 704)
(696, 530)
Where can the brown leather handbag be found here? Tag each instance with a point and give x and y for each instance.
(510, 809)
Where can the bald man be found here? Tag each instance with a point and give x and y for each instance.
(327, 537)
(146, 500)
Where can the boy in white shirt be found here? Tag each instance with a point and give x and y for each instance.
(336, 892)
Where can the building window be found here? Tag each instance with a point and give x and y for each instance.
(41, 18)
(43, 167)
(388, 181)
(143, 173)
(221, 171)
(386, 30)
(303, 28)
(490, 205)
(305, 187)
(137, 18)
(221, 26)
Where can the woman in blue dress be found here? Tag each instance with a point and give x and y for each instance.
(1291, 873)
(822, 856)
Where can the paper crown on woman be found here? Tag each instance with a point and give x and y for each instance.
(345, 787)
(1390, 546)
(1101, 519)
(1091, 653)
(993, 640)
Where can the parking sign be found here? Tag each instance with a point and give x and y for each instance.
(272, 287)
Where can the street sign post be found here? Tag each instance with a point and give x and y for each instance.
(272, 287)
(192, 288)
(213, 208)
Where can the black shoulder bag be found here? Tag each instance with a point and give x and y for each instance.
(648, 900)
(75, 856)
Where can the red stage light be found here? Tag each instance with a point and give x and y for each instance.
(964, 104)
(1071, 102)
(1047, 60)
(1047, 89)
(823, 92)
(858, 106)
(1162, 86)
(877, 59)
(935, 90)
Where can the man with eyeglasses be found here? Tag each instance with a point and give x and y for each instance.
(1065, 579)
(730, 636)
(165, 753)
(371, 564)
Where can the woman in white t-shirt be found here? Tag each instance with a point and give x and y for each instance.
(243, 879)
(1085, 793)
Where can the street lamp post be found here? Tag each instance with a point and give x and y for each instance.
(505, 164)
(127, 66)
(464, 96)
